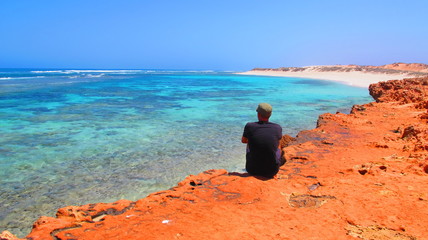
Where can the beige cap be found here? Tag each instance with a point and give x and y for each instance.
(265, 109)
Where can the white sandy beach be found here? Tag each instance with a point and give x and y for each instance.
(354, 78)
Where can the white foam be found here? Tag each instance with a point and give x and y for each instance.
(123, 71)
(56, 71)
(89, 71)
(106, 71)
(95, 75)
(18, 78)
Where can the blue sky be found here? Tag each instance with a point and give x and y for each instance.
(219, 35)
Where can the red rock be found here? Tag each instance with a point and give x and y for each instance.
(356, 176)
(286, 140)
(416, 67)
(410, 91)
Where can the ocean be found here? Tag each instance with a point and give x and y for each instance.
(73, 137)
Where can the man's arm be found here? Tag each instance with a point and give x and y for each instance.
(245, 134)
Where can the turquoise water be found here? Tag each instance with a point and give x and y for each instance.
(71, 137)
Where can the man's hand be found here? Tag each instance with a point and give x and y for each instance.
(244, 140)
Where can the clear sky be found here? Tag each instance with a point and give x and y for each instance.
(216, 34)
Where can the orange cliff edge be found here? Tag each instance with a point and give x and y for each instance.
(362, 175)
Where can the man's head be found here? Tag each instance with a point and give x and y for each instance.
(264, 110)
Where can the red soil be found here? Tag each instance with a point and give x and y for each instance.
(415, 67)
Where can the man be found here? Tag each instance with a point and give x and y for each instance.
(263, 154)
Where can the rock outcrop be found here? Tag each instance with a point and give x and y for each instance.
(362, 175)
(409, 91)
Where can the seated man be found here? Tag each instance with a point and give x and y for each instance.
(262, 138)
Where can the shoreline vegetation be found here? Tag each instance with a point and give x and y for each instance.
(355, 176)
(354, 75)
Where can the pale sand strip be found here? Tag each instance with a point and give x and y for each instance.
(355, 78)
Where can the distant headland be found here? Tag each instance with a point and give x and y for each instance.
(355, 75)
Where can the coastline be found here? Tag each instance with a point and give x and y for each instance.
(355, 176)
(136, 165)
(352, 78)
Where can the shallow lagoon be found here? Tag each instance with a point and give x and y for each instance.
(72, 137)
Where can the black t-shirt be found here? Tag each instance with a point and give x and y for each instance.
(263, 140)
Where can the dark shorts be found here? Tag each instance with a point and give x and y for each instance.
(264, 171)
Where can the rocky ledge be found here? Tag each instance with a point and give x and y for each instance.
(362, 175)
